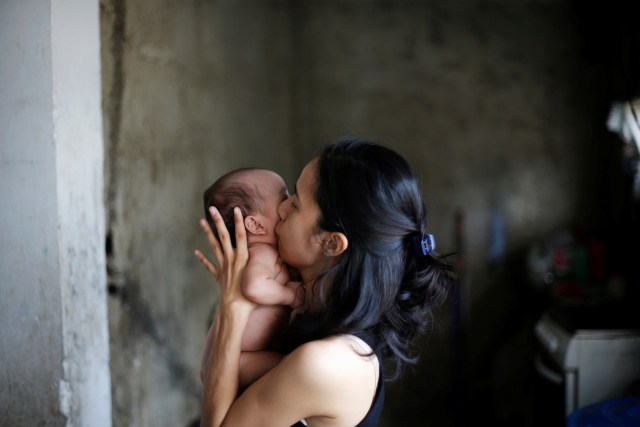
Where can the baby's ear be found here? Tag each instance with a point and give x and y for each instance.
(254, 225)
(334, 243)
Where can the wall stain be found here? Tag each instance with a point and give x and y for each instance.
(127, 292)
(115, 96)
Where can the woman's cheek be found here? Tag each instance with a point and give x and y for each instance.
(292, 251)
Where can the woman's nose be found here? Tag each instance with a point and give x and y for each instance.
(282, 208)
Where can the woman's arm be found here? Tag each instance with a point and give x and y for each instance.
(223, 366)
(254, 364)
(221, 372)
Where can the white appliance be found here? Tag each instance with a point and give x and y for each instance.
(591, 364)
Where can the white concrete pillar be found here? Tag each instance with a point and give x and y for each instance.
(54, 347)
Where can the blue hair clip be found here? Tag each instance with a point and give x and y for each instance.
(424, 245)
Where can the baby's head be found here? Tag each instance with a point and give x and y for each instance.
(257, 192)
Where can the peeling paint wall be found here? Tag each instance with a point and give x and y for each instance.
(491, 101)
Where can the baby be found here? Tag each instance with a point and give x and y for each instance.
(257, 192)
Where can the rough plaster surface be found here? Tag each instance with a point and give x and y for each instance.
(489, 100)
(77, 118)
(54, 346)
(191, 90)
(31, 328)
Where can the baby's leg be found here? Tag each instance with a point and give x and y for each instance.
(254, 364)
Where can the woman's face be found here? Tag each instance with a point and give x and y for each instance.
(299, 242)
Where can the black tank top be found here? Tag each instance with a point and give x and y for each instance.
(373, 416)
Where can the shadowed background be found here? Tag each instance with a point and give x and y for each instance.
(500, 106)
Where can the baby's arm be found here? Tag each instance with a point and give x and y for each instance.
(266, 279)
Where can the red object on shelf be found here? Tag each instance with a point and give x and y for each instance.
(568, 289)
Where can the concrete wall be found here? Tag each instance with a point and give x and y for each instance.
(491, 101)
(191, 90)
(26, 293)
(54, 343)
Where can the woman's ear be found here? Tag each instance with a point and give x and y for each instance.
(254, 225)
(334, 243)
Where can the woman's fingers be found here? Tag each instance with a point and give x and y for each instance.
(230, 261)
(241, 238)
(211, 238)
(223, 233)
(207, 264)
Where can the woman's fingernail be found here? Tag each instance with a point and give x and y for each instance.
(236, 210)
(202, 222)
(213, 211)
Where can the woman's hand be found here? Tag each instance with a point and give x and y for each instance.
(230, 262)
(222, 363)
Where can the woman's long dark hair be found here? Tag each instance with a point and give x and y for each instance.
(381, 287)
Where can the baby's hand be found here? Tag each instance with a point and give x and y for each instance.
(299, 294)
(282, 272)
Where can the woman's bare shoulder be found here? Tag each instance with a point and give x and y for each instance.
(346, 349)
(342, 375)
(337, 364)
(325, 381)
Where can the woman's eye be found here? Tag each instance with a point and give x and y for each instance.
(292, 203)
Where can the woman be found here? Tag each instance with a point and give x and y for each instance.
(355, 229)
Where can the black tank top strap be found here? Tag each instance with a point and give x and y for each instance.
(373, 416)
